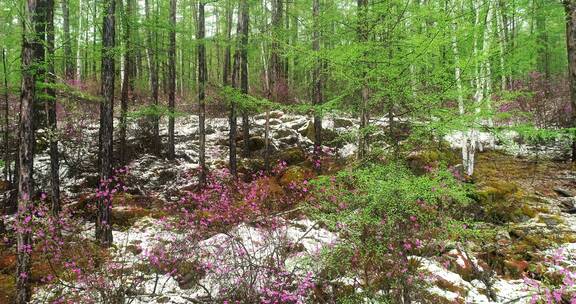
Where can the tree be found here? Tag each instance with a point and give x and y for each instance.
(317, 81)
(51, 111)
(172, 79)
(152, 45)
(202, 78)
(244, 8)
(68, 63)
(26, 154)
(363, 35)
(103, 224)
(6, 121)
(127, 80)
(570, 9)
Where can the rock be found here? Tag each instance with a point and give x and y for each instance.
(255, 143)
(281, 133)
(515, 268)
(567, 202)
(340, 122)
(272, 115)
(292, 156)
(328, 135)
(563, 192)
(210, 130)
(288, 141)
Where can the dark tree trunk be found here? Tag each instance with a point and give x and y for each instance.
(276, 78)
(153, 58)
(51, 109)
(26, 155)
(127, 82)
(244, 73)
(103, 224)
(235, 75)
(202, 77)
(6, 121)
(570, 8)
(227, 49)
(363, 138)
(317, 85)
(172, 79)
(40, 61)
(68, 62)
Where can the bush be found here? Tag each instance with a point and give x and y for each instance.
(385, 215)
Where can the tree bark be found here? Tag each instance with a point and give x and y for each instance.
(317, 85)
(172, 79)
(152, 40)
(26, 155)
(103, 224)
(6, 121)
(79, 42)
(244, 72)
(235, 80)
(363, 136)
(51, 105)
(68, 63)
(126, 79)
(202, 77)
(570, 9)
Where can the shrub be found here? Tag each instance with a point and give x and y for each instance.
(384, 215)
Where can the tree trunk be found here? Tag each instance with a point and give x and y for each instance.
(26, 155)
(153, 60)
(6, 121)
(172, 79)
(103, 224)
(40, 61)
(276, 78)
(244, 72)
(126, 79)
(68, 63)
(570, 9)
(202, 77)
(317, 85)
(79, 42)
(51, 105)
(235, 80)
(363, 136)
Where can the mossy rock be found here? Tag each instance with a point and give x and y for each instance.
(291, 156)
(250, 166)
(295, 175)
(328, 135)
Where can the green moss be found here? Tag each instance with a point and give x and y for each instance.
(7, 288)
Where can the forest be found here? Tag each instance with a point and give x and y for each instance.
(288, 151)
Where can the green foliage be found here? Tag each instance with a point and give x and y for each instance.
(384, 214)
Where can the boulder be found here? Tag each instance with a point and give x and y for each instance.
(340, 122)
(563, 192)
(291, 156)
(328, 135)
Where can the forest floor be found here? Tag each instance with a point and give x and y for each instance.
(523, 206)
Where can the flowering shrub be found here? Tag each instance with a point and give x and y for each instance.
(384, 215)
(558, 287)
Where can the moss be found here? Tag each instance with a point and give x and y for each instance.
(421, 161)
(291, 156)
(126, 217)
(295, 175)
(7, 288)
